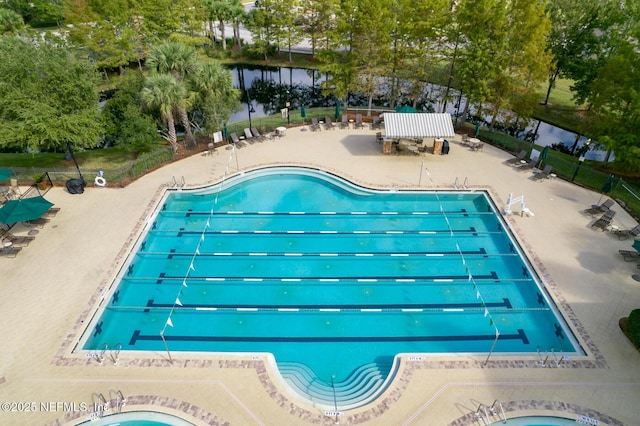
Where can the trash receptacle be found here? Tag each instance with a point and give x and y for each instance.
(445, 147)
(75, 186)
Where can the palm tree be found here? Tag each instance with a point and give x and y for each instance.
(179, 60)
(218, 10)
(165, 93)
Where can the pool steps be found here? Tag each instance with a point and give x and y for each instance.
(364, 383)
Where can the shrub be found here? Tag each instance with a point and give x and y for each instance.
(633, 327)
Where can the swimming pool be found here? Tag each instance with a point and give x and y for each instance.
(137, 418)
(332, 279)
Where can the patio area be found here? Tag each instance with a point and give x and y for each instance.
(52, 289)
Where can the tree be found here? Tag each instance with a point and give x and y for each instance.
(337, 58)
(164, 93)
(260, 23)
(10, 22)
(125, 123)
(218, 11)
(106, 29)
(286, 30)
(48, 97)
(179, 60)
(213, 95)
(614, 119)
(37, 12)
(317, 21)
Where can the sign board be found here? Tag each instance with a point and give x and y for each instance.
(284, 112)
(217, 137)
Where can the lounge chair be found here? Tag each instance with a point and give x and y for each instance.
(52, 212)
(328, 124)
(248, 136)
(38, 223)
(314, 125)
(530, 165)
(516, 160)
(604, 222)
(623, 234)
(477, 146)
(629, 255)
(544, 174)
(257, 135)
(236, 141)
(359, 124)
(15, 240)
(10, 251)
(379, 137)
(344, 124)
(601, 208)
(375, 125)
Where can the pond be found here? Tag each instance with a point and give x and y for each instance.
(269, 89)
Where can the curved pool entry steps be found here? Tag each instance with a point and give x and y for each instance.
(331, 291)
(361, 386)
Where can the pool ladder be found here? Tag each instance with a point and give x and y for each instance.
(101, 352)
(496, 409)
(465, 185)
(482, 414)
(543, 358)
(120, 400)
(499, 414)
(176, 184)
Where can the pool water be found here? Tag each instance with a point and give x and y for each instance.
(137, 418)
(332, 279)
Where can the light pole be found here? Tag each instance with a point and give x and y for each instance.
(250, 109)
(581, 160)
(288, 105)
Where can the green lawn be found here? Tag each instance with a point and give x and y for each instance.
(111, 158)
(562, 110)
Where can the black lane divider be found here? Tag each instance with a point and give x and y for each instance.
(481, 252)
(472, 230)
(138, 336)
(506, 303)
(493, 276)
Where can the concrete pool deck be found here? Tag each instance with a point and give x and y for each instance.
(52, 287)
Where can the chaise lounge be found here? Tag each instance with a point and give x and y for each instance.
(601, 208)
(604, 222)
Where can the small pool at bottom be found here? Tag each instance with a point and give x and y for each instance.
(138, 418)
(332, 279)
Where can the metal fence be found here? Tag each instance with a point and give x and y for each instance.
(572, 170)
(28, 176)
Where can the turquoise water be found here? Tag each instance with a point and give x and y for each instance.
(137, 418)
(328, 277)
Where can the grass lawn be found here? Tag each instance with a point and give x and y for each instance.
(562, 110)
(94, 159)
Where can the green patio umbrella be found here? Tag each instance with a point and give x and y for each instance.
(5, 174)
(338, 113)
(303, 113)
(544, 154)
(607, 187)
(405, 109)
(23, 209)
(476, 132)
(225, 132)
(636, 245)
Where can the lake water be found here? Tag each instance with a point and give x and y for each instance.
(272, 88)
